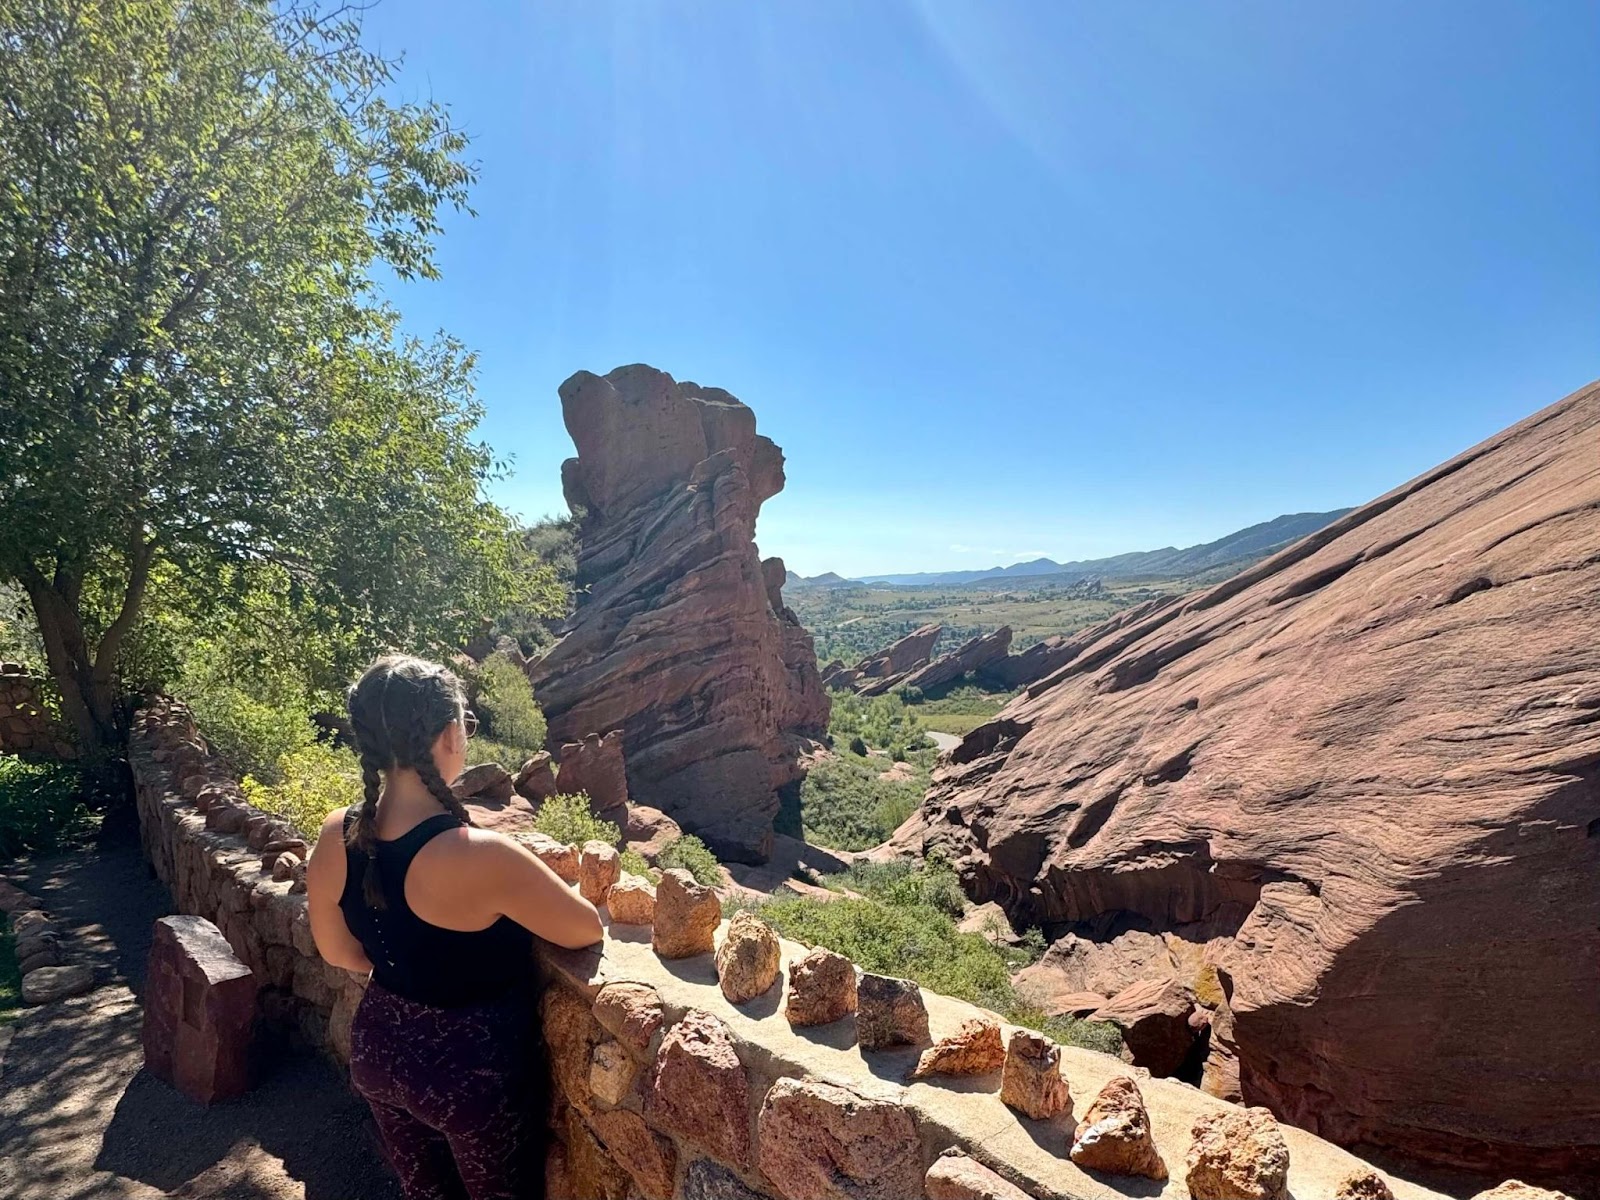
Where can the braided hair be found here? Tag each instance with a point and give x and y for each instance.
(398, 709)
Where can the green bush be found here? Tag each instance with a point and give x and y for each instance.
(844, 805)
(42, 806)
(506, 706)
(905, 926)
(569, 820)
(252, 736)
(694, 856)
(634, 863)
(486, 750)
(307, 784)
(882, 722)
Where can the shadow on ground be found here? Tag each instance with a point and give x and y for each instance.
(81, 1118)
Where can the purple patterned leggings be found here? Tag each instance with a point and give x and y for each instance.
(456, 1094)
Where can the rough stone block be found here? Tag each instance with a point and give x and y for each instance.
(699, 1090)
(820, 1142)
(889, 1012)
(954, 1176)
(200, 1007)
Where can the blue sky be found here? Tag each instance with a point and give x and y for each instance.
(1011, 279)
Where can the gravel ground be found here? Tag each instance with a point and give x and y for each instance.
(79, 1115)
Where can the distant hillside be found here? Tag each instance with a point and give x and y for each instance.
(826, 580)
(1247, 544)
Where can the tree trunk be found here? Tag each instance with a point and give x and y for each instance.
(90, 703)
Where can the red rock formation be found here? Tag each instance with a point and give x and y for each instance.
(680, 639)
(1367, 772)
(972, 655)
(907, 654)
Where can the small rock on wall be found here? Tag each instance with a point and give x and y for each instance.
(822, 988)
(1031, 1081)
(748, 959)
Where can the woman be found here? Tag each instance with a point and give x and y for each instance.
(444, 1044)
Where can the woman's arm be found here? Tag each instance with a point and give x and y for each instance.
(324, 885)
(517, 883)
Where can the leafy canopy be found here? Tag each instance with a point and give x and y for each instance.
(196, 367)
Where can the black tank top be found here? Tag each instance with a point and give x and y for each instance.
(423, 962)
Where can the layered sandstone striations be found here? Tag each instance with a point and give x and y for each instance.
(680, 638)
(1362, 778)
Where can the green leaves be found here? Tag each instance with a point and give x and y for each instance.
(196, 370)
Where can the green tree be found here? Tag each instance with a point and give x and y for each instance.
(197, 372)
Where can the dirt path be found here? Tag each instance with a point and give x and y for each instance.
(80, 1117)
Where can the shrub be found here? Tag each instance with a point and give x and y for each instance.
(42, 806)
(905, 925)
(250, 735)
(308, 784)
(506, 706)
(634, 863)
(843, 803)
(486, 750)
(693, 856)
(569, 820)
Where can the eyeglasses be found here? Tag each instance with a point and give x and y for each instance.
(469, 722)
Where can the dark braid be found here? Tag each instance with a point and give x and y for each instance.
(398, 709)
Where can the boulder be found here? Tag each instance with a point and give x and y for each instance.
(954, 1176)
(632, 901)
(199, 1011)
(822, 988)
(973, 1049)
(648, 831)
(816, 1141)
(599, 868)
(748, 959)
(1360, 772)
(699, 1090)
(889, 1012)
(491, 781)
(511, 816)
(676, 640)
(594, 766)
(535, 781)
(1237, 1155)
(707, 1180)
(45, 984)
(1031, 1081)
(686, 917)
(1153, 1017)
(1114, 1135)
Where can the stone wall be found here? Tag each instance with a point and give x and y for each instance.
(663, 1088)
(26, 725)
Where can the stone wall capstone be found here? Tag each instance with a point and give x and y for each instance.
(662, 1087)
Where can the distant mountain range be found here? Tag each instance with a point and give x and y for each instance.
(1246, 545)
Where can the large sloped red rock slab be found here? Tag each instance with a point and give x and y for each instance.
(1366, 772)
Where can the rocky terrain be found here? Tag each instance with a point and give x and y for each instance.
(1353, 793)
(680, 639)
